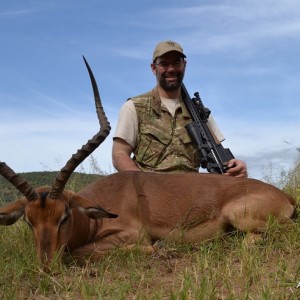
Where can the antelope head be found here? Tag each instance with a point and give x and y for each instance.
(50, 211)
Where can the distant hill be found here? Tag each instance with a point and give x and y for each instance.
(77, 181)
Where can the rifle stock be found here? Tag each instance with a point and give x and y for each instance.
(213, 156)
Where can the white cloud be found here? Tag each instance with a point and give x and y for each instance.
(260, 143)
(33, 144)
(17, 13)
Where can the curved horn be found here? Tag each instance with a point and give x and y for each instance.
(65, 173)
(20, 183)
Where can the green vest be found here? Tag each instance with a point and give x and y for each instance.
(163, 144)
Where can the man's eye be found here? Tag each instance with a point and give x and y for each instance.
(177, 64)
(163, 65)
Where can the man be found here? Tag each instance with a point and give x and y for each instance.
(152, 126)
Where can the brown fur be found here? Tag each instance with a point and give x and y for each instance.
(150, 206)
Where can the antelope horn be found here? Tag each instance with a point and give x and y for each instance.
(65, 173)
(20, 183)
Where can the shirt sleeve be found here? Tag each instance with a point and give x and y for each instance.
(214, 127)
(127, 125)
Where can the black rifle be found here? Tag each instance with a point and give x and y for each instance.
(213, 156)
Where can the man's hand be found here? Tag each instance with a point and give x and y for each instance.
(237, 168)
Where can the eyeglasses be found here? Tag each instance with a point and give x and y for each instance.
(175, 65)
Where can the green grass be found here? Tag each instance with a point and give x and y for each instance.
(224, 268)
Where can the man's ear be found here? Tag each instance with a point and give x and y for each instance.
(153, 68)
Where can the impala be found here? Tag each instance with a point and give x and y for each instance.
(129, 208)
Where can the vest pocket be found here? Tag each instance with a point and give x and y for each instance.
(151, 147)
(190, 151)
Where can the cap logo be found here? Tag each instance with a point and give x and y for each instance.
(171, 43)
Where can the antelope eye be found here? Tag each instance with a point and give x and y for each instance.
(65, 218)
(27, 221)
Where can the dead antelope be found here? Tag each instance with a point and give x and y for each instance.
(140, 208)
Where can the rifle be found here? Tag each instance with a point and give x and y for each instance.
(213, 156)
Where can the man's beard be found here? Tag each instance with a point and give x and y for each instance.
(170, 86)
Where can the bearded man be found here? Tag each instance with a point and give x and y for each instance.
(151, 134)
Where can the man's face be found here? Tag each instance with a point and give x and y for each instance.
(169, 70)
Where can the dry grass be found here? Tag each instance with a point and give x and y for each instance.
(224, 268)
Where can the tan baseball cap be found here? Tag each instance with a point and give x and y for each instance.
(166, 46)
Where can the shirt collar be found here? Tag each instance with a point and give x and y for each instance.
(156, 104)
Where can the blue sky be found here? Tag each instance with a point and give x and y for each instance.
(242, 56)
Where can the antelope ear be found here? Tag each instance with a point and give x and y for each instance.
(97, 212)
(88, 207)
(12, 212)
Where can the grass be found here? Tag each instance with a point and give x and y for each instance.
(224, 268)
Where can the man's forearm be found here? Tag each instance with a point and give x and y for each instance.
(124, 163)
(121, 156)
